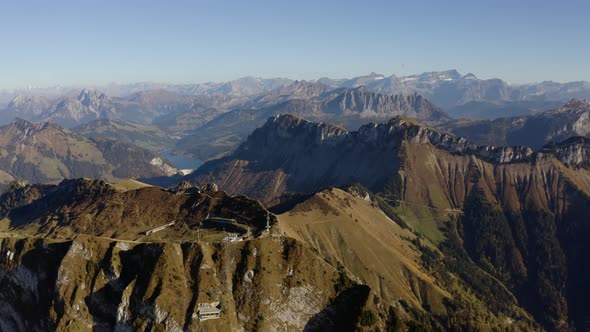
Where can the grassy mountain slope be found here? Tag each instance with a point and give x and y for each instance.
(358, 235)
(45, 152)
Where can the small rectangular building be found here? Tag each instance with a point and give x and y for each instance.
(209, 311)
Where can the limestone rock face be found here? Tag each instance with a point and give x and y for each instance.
(209, 187)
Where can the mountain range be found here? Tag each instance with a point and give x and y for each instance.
(211, 120)
(349, 107)
(448, 89)
(67, 111)
(445, 88)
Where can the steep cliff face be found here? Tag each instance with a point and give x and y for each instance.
(524, 223)
(370, 105)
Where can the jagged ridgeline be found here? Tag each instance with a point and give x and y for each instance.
(509, 223)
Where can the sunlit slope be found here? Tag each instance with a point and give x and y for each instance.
(352, 231)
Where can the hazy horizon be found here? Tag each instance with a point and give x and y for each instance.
(82, 85)
(93, 44)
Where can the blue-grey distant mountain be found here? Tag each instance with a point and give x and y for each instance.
(572, 119)
(28, 107)
(449, 89)
(89, 105)
(460, 95)
(485, 109)
(173, 111)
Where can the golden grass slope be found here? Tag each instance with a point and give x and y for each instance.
(357, 234)
(129, 184)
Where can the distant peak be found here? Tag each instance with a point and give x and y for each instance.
(301, 83)
(87, 94)
(18, 99)
(306, 83)
(577, 104)
(22, 99)
(451, 74)
(248, 79)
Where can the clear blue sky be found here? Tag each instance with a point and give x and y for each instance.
(96, 42)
